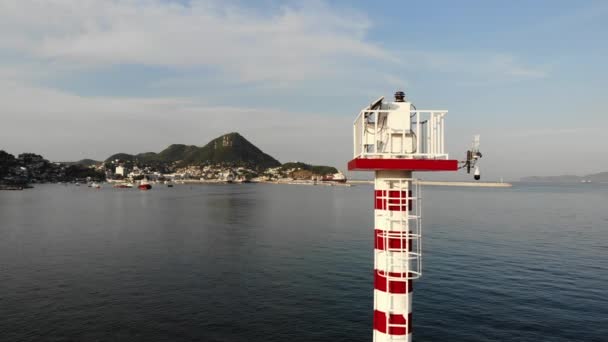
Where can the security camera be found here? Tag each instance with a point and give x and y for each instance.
(477, 173)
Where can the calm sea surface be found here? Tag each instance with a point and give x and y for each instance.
(294, 263)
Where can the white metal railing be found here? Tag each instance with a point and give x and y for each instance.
(424, 140)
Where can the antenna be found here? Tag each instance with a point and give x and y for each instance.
(475, 142)
(374, 105)
(473, 156)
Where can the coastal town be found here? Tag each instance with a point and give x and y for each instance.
(27, 169)
(117, 172)
(229, 158)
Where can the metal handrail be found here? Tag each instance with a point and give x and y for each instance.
(426, 133)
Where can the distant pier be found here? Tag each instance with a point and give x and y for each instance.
(446, 183)
(359, 182)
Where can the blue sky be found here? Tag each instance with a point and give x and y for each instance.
(90, 78)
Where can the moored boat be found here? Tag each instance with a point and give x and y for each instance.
(144, 185)
(11, 187)
(336, 177)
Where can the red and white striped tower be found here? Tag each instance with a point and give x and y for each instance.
(394, 139)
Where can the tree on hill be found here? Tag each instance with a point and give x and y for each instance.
(84, 162)
(7, 162)
(177, 152)
(77, 171)
(314, 169)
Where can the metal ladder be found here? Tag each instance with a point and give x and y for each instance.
(408, 255)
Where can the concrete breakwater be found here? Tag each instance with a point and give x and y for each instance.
(468, 184)
(356, 182)
(447, 183)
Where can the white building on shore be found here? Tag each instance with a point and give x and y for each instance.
(120, 170)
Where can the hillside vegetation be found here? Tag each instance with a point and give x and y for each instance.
(314, 169)
(230, 149)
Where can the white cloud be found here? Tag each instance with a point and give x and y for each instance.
(290, 44)
(64, 126)
(507, 65)
(475, 68)
(277, 47)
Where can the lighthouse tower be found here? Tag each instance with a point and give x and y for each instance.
(394, 139)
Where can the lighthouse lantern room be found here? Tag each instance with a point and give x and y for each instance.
(394, 139)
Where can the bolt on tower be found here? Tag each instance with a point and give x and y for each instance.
(394, 139)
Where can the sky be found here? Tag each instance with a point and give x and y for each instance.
(89, 78)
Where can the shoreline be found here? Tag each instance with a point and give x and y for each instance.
(362, 182)
(285, 182)
(347, 184)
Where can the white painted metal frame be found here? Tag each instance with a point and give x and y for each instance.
(427, 130)
(405, 257)
(406, 226)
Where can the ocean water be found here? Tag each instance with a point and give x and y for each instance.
(294, 263)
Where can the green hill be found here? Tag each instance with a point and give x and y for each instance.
(601, 177)
(231, 148)
(87, 162)
(178, 152)
(314, 169)
(121, 156)
(83, 162)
